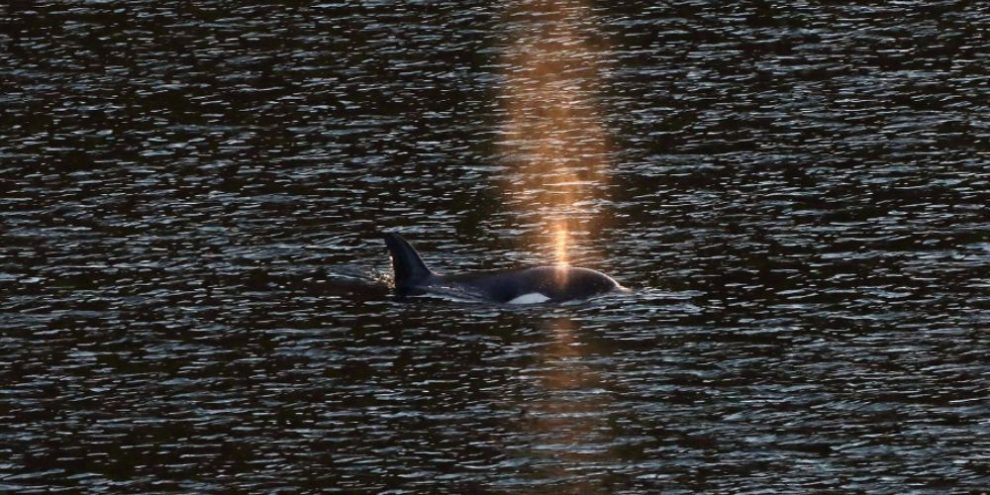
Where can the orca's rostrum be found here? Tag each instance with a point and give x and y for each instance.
(531, 285)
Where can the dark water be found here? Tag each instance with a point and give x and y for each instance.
(798, 191)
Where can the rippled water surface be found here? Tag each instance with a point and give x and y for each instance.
(193, 291)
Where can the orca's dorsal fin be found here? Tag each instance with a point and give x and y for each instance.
(408, 268)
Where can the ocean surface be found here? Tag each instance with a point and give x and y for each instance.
(194, 292)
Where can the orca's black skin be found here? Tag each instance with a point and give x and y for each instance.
(555, 283)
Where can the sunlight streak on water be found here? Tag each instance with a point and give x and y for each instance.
(568, 421)
(553, 136)
(555, 143)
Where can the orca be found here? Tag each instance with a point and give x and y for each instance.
(527, 286)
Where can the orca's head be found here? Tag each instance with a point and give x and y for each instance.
(579, 283)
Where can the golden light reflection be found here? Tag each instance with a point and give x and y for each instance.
(555, 147)
(560, 246)
(553, 138)
(569, 424)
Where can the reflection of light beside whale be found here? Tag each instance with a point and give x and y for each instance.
(527, 286)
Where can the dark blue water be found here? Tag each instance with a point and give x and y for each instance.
(193, 291)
